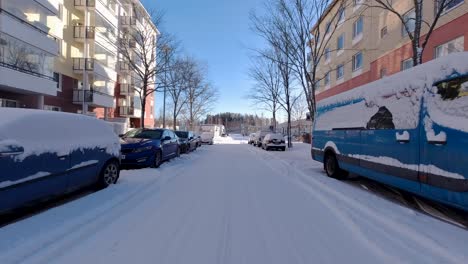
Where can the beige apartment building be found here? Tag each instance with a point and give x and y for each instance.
(365, 44)
(82, 68)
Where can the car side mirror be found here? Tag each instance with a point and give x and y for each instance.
(308, 118)
(121, 135)
(166, 138)
(190, 138)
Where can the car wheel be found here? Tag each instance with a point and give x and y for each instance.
(157, 159)
(333, 169)
(109, 174)
(178, 152)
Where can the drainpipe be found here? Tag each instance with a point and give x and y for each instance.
(86, 55)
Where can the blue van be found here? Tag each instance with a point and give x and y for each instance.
(45, 154)
(408, 130)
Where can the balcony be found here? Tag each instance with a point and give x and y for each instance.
(81, 33)
(125, 42)
(123, 66)
(93, 98)
(83, 4)
(82, 64)
(127, 89)
(126, 111)
(127, 21)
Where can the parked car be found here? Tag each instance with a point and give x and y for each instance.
(251, 138)
(207, 138)
(259, 137)
(274, 141)
(149, 147)
(187, 141)
(44, 154)
(197, 139)
(408, 130)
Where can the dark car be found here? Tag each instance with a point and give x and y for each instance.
(45, 154)
(148, 147)
(187, 141)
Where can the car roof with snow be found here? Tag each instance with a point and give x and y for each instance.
(39, 131)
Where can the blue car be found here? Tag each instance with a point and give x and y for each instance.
(408, 130)
(148, 147)
(44, 154)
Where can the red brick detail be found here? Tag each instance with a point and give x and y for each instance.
(392, 61)
(64, 99)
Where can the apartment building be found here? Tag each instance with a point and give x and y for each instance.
(370, 43)
(84, 71)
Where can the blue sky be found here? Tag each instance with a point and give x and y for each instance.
(216, 33)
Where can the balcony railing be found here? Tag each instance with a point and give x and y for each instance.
(126, 111)
(127, 20)
(82, 32)
(80, 95)
(87, 3)
(125, 42)
(80, 64)
(123, 66)
(127, 89)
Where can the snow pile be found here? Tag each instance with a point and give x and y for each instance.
(41, 132)
(400, 94)
(231, 140)
(404, 136)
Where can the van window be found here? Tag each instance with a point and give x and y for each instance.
(383, 119)
(452, 89)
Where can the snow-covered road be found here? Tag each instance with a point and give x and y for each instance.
(235, 204)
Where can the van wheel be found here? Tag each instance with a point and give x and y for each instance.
(157, 159)
(332, 168)
(109, 174)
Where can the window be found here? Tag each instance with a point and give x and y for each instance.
(383, 119)
(327, 54)
(383, 32)
(340, 42)
(357, 27)
(341, 15)
(453, 89)
(357, 61)
(52, 108)
(327, 78)
(448, 5)
(410, 22)
(407, 64)
(456, 45)
(339, 71)
(327, 28)
(58, 79)
(8, 103)
(383, 72)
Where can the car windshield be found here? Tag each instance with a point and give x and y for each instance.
(143, 133)
(182, 134)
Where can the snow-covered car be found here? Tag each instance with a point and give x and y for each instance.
(251, 139)
(274, 141)
(259, 137)
(45, 154)
(207, 138)
(149, 147)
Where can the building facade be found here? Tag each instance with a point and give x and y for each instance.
(369, 43)
(77, 65)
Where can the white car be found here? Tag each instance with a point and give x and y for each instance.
(207, 138)
(274, 141)
(259, 137)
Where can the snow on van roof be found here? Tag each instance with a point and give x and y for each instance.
(422, 75)
(39, 132)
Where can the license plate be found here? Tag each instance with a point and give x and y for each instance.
(122, 157)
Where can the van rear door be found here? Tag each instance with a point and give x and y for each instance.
(444, 145)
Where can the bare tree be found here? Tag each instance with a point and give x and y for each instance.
(201, 98)
(146, 53)
(301, 21)
(266, 92)
(414, 25)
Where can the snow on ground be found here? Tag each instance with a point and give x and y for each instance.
(232, 203)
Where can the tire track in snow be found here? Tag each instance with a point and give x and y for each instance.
(59, 244)
(403, 230)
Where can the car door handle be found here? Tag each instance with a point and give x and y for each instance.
(437, 142)
(403, 140)
(102, 149)
(64, 157)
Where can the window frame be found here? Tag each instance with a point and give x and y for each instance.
(403, 63)
(340, 66)
(354, 61)
(356, 34)
(327, 79)
(404, 33)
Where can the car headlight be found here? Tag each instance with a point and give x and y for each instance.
(138, 150)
